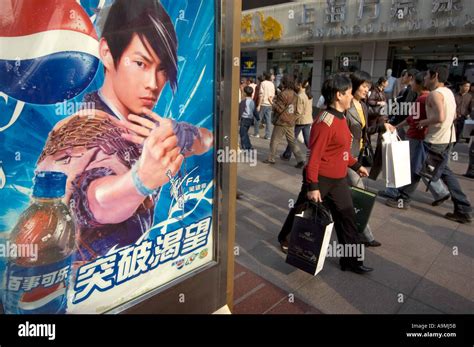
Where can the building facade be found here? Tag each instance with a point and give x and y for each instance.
(315, 38)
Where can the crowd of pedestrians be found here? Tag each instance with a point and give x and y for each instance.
(352, 112)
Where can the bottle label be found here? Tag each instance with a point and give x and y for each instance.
(37, 290)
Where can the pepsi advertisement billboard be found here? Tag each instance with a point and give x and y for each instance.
(107, 163)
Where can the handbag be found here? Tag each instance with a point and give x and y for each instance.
(310, 236)
(366, 155)
(374, 111)
(435, 163)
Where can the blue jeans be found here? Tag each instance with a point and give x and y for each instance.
(266, 118)
(460, 200)
(299, 128)
(245, 124)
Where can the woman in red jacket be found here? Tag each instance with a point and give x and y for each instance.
(324, 177)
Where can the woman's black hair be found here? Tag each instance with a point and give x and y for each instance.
(358, 78)
(419, 77)
(287, 83)
(381, 81)
(336, 83)
(298, 81)
(149, 20)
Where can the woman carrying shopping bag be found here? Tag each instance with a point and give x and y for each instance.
(324, 177)
(357, 118)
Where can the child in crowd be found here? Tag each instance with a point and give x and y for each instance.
(247, 112)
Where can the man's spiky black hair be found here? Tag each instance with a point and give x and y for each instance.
(149, 20)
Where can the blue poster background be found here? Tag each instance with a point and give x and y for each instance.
(22, 143)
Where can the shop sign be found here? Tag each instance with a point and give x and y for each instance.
(320, 20)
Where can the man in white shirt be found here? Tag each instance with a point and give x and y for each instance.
(441, 112)
(267, 93)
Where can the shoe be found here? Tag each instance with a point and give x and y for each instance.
(469, 176)
(358, 269)
(282, 157)
(239, 195)
(267, 138)
(373, 243)
(440, 201)
(398, 203)
(383, 194)
(256, 136)
(300, 165)
(284, 246)
(458, 217)
(266, 161)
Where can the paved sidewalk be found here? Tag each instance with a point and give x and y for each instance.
(425, 264)
(254, 295)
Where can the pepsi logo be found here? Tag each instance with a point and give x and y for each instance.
(180, 263)
(48, 50)
(44, 300)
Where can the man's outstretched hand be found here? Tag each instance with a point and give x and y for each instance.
(160, 154)
(142, 127)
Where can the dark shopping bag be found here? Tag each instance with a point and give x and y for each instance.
(435, 162)
(310, 236)
(366, 156)
(363, 201)
(434, 165)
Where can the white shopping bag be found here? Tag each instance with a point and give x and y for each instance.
(300, 137)
(387, 169)
(396, 161)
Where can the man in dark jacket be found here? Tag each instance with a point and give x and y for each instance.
(407, 95)
(284, 119)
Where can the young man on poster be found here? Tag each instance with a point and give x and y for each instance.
(118, 155)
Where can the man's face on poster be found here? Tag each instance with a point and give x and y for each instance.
(138, 78)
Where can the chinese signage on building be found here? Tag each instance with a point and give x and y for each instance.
(329, 20)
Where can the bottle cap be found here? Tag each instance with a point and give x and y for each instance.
(49, 185)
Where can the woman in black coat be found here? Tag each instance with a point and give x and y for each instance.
(378, 103)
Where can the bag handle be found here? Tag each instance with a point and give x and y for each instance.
(451, 136)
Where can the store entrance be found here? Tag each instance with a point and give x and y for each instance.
(295, 62)
(421, 55)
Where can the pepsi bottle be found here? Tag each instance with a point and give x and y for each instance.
(38, 285)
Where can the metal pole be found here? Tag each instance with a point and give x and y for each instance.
(229, 105)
